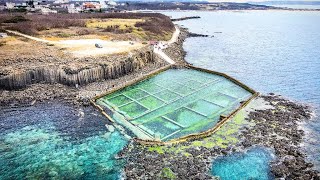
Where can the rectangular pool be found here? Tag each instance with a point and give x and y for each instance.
(173, 103)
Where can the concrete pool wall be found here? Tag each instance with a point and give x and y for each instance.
(223, 118)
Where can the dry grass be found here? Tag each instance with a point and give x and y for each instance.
(7, 40)
(122, 23)
(146, 26)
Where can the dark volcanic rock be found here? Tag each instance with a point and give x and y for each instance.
(198, 35)
(274, 128)
(76, 76)
(186, 18)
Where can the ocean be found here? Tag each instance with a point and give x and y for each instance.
(271, 51)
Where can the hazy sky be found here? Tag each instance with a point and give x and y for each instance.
(254, 0)
(233, 0)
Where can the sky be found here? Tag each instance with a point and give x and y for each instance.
(244, 1)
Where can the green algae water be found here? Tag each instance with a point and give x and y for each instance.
(174, 103)
(254, 164)
(57, 141)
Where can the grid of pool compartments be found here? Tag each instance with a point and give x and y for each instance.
(176, 102)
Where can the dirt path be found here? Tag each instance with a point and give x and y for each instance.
(29, 37)
(164, 44)
(175, 36)
(86, 47)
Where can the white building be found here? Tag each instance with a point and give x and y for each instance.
(48, 11)
(61, 1)
(112, 3)
(103, 4)
(10, 5)
(72, 9)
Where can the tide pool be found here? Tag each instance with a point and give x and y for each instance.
(254, 164)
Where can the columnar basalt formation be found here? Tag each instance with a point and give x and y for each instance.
(87, 73)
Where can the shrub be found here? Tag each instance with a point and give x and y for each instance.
(116, 29)
(83, 32)
(154, 23)
(65, 35)
(16, 19)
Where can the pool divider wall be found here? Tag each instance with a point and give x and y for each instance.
(189, 137)
(129, 83)
(200, 135)
(152, 73)
(224, 75)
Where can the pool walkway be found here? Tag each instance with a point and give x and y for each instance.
(163, 55)
(158, 49)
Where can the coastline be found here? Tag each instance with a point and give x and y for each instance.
(186, 160)
(77, 96)
(194, 159)
(232, 10)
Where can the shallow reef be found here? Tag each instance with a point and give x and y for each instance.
(272, 124)
(253, 164)
(56, 141)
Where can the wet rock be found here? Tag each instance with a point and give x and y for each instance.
(198, 35)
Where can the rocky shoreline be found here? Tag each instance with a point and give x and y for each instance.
(198, 35)
(75, 73)
(175, 51)
(80, 95)
(274, 128)
(185, 18)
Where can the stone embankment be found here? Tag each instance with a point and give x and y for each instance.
(175, 50)
(66, 75)
(185, 18)
(275, 128)
(198, 35)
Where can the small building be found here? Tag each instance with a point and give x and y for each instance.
(91, 6)
(10, 5)
(153, 43)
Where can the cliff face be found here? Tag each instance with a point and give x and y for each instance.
(95, 72)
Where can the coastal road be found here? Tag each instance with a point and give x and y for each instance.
(158, 48)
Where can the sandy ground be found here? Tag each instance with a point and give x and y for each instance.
(86, 47)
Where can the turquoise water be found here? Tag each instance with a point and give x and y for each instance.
(57, 141)
(190, 102)
(254, 164)
(270, 51)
